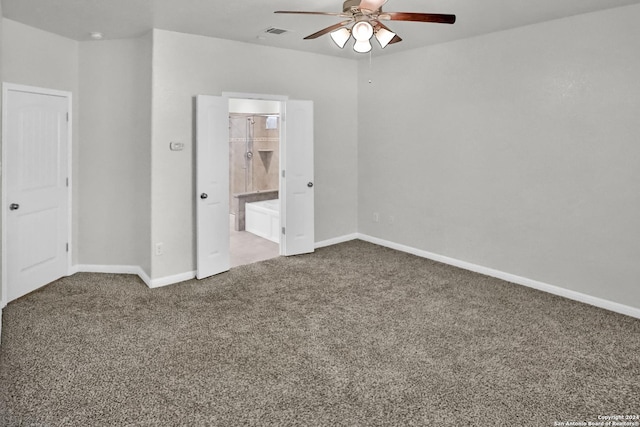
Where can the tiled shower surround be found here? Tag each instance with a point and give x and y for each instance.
(254, 155)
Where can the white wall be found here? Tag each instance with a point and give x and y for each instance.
(37, 58)
(517, 150)
(187, 65)
(115, 155)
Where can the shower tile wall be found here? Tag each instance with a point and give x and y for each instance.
(259, 172)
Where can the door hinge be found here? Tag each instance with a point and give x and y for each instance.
(67, 247)
(67, 181)
(67, 117)
(283, 173)
(283, 231)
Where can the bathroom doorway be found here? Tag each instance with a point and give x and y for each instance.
(296, 186)
(254, 180)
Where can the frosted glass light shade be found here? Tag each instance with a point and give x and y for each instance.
(362, 31)
(340, 37)
(362, 46)
(384, 36)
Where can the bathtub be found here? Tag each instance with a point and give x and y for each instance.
(263, 219)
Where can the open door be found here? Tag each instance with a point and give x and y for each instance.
(36, 188)
(212, 185)
(297, 179)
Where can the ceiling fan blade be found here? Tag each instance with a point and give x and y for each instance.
(419, 17)
(377, 24)
(299, 12)
(371, 5)
(327, 30)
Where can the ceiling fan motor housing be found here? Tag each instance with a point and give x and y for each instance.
(350, 6)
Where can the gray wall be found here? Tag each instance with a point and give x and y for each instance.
(115, 156)
(114, 175)
(517, 151)
(187, 65)
(111, 86)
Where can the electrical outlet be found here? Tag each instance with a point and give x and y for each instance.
(176, 146)
(391, 219)
(159, 249)
(376, 217)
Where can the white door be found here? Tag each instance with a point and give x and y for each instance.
(35, 177)
(297, 184)
(212, 185)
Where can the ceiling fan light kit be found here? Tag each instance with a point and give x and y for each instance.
(341, 37)
(362, 31)
(365, 15)
(384, 36)
(362, 47)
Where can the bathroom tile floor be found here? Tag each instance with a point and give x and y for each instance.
(247, 248)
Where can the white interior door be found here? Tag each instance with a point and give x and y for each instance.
(36, 192)
(297, 184)
(212, 185)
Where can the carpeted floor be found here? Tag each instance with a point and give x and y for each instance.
(353, 335)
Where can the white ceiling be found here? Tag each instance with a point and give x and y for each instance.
(246, 20)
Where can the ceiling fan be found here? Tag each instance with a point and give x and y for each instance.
(365, 15)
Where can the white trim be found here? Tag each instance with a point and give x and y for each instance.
(170, 280)
(258, 96)
(134, 269)
(112, 269)
(3, 201)
(336, 240)
(70, 184)
(35, 89)
(6, 87)
(530, 283)
(144, 277)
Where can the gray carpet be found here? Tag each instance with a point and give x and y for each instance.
(352, 335)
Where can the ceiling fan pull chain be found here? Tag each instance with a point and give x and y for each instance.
(370, 61)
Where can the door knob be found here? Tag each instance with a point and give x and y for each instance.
(310, 184)
(14, 206)
(204, 195)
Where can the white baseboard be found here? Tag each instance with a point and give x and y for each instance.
(545, 287)
(336, 240)
(133, 269)
(114, 269)
(144, 277)
(170, 280)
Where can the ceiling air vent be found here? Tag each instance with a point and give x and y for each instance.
(276, 31)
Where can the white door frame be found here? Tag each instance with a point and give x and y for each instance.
(6, 87)
(283, 99)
